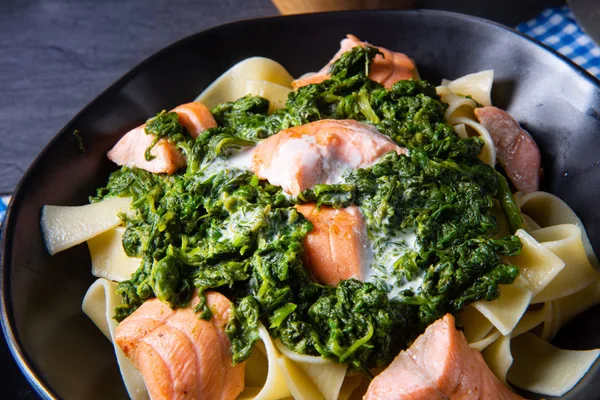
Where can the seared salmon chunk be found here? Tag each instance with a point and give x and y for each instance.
(180, 355)
(130, 151)
(334, 248)
(439, 365)
(319, 152)
(387, 69)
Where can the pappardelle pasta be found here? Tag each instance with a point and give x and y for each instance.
(315, 238)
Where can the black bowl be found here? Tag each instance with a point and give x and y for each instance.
(59, 349)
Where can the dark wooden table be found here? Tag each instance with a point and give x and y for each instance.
(57, 55)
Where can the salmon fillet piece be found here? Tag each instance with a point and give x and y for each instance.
(516, 150)
(319, 152)
(439, 365)
(195, 117)
(387, 70)
(131, 149)
(403, 379)
(333, 250)
(180, 355)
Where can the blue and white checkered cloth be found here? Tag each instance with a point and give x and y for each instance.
(3, 205)
(557, 28)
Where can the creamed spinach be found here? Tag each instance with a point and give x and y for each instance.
(224, 229)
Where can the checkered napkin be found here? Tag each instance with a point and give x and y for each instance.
(3, 205)
(557, 28)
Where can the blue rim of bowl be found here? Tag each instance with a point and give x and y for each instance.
(23, 361)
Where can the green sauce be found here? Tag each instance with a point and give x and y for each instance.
(231, 232)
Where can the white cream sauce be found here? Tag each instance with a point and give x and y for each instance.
(241, 160)
(289, 156)
(240, 222)
(381, 252)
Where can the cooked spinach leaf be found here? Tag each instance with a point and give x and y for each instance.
(165, 125)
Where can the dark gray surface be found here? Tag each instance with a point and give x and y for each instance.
(57, 55)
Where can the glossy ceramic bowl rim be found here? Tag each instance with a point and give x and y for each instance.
(23, 360)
